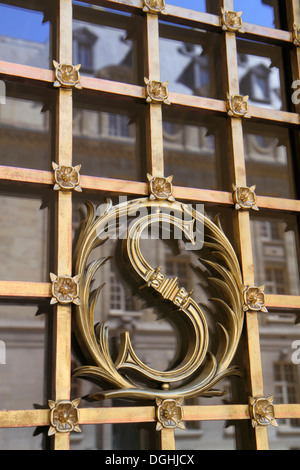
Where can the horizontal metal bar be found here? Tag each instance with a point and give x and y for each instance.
(24, 418)
(202, 20)
(137, 93)
(117, 186)
(283, 301)
(142, 414)
(25, 289)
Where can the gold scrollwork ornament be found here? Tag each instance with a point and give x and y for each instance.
(203, 364)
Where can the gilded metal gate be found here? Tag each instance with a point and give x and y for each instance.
(138, 89)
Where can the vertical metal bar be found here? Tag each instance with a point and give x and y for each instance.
(293, 13)
(154, 134)
(167, 439)
(242, 223)
(62, 374)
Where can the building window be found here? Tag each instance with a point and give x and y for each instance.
(196, 76)
(178, 269)
(118, 125)
(287, 387)
(272, 230)
(256, 84)
(276, 280)
(83, 44)
(118, 296)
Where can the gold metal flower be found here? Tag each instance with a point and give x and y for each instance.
(66, 177)
(262, 411)
(255, 299)
(157, 92)
(231, 20)
(244, 197)
(169, 414)
(160, 187)
(237, 106)
(67, 75)
(65, 289)
(296, 34)
(64, 416)
(154, 6)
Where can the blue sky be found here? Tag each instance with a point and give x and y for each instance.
(254, 11)
(23, 24)
(26, 24)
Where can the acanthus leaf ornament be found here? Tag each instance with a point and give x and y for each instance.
(154, 6)
(67, 75)
(231, 20)
(64, 416)
(66, 177)
(198, 369)
(156, 92)
(262, 411)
